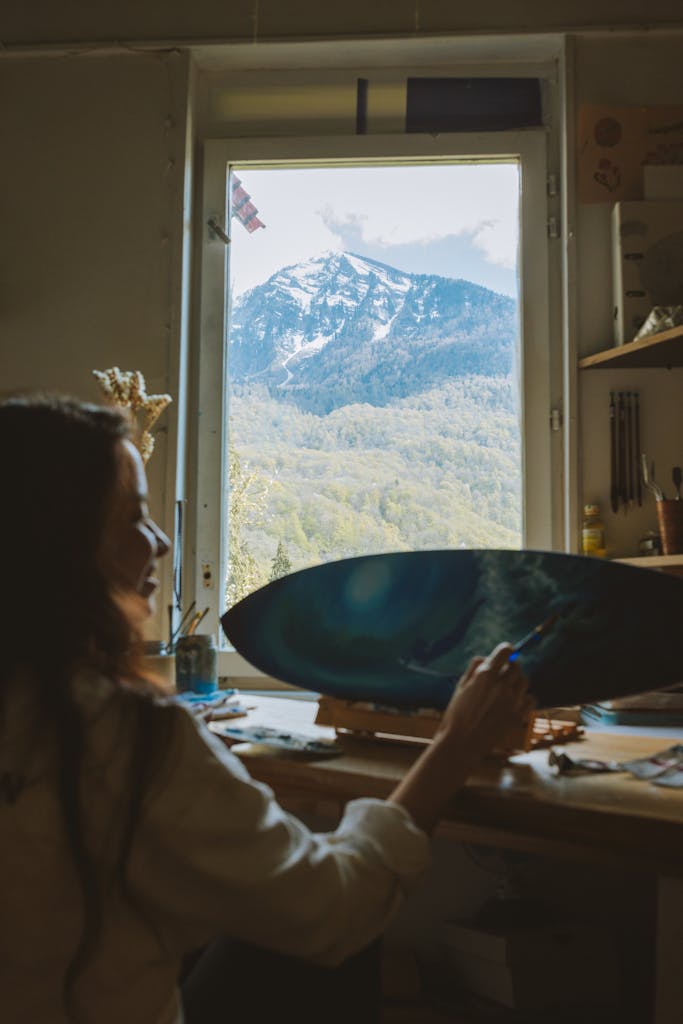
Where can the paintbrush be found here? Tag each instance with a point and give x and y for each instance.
(195, 622)
(534, 636)
(182, 622)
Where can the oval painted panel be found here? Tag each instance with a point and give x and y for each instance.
(400, 628)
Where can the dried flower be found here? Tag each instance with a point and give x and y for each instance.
(126, 388)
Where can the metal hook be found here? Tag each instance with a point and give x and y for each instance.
(218, 230)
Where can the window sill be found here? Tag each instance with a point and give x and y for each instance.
(234, 671)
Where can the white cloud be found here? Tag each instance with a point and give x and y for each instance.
(309, 210)
(498, 241)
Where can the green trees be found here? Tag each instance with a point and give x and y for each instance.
(247, 498)
(281, 565)
(246, 502)
(438, 469)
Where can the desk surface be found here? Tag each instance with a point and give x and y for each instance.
(603, 818)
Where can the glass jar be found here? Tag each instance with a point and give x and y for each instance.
(593, 532)
(650, 544)
(196, 664)
(159, 662)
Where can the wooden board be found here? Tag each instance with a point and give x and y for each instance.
(363, 718)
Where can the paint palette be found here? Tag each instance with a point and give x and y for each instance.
(292, 742)
(400, 628)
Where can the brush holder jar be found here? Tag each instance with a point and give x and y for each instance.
(670, 519)
(196, 664)
(159, 662)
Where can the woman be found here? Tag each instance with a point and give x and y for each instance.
(129, 835)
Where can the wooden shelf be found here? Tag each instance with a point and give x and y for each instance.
(671, 564)
(659, 350)
(653, 561)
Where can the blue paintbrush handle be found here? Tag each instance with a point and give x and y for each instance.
(533, 637)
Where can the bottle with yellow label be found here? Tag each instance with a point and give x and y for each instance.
(593, 532)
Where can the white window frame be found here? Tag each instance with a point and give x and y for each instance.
(208, 463)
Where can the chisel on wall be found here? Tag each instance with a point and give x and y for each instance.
(639, 485)
(621, 417)
(614, 486)
(630, 453)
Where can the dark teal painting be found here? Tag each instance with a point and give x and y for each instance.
(400, 628)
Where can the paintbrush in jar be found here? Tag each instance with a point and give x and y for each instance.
(199, 616)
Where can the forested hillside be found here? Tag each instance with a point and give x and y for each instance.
(438, 470)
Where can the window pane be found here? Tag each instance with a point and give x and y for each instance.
(373, 363)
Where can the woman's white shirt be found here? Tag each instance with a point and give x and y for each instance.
(214, 854)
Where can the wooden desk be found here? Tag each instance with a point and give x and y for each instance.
(609, 819)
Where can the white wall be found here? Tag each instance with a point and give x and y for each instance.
(91, 187)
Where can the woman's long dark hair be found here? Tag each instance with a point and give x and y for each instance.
(59, 464)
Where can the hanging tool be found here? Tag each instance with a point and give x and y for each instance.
(621, 414)
(639, 489)
(614, 487)
(629, 448)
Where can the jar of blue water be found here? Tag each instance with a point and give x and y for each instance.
(196, 664)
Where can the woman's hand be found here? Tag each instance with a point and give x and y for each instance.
(490, 701)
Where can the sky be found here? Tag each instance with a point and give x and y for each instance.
(459, 221)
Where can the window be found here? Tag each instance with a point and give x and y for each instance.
(284, 411)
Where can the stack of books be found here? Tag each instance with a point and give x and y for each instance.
(657, 707)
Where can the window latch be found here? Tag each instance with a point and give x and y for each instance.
(216, 231)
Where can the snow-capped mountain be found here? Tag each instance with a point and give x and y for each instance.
(342, 328)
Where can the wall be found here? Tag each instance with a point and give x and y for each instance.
(91, 182)
(41, 21)
(637, 69)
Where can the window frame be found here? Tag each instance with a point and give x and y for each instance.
(208, 464)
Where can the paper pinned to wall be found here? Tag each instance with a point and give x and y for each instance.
(615, 142)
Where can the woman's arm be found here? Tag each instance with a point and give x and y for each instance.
(490, 699)
(215, 853)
